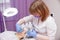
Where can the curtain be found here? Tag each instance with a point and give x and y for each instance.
(23, 10)
(1, 23)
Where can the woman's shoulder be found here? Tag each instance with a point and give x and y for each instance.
(50, 19)
(28, 18)
(50, 22)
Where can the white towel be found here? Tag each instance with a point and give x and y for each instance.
(8, 35)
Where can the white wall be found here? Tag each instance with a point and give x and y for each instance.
(54, 7)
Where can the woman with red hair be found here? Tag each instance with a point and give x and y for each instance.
(44, 24)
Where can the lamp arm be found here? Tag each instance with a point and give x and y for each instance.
(4, 24)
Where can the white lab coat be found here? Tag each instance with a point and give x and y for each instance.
(46, 28)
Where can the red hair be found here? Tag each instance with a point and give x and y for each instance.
(39, 6)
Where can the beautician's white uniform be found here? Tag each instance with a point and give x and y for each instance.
(47, 28)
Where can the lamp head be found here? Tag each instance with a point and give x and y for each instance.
(10, 12)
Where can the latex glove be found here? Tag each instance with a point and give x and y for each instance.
(31, 33)
(18, 28)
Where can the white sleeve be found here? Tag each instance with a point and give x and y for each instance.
(51, 28)
(28, 18)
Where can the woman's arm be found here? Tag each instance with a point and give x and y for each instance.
(25, 19)
(51, 30)
(21, 21)
(42, 37)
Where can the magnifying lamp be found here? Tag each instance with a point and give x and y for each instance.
(9, 12)
(8, 35)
